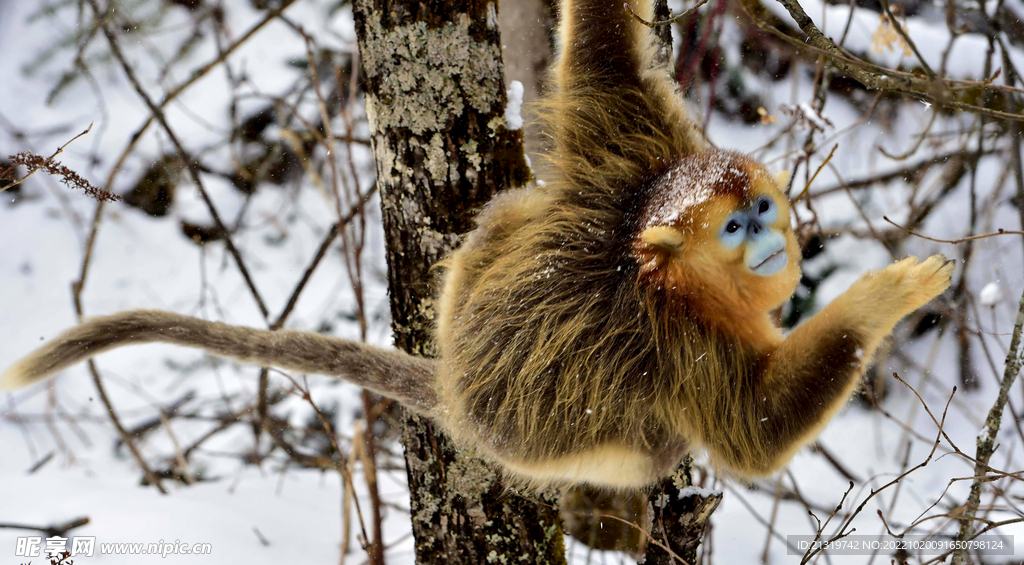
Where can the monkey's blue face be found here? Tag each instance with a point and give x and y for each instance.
(764, 246)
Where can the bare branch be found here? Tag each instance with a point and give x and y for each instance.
(668, 21)
(954, 241)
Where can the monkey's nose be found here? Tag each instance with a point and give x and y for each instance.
(755, 227)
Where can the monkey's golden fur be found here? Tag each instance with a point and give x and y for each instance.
(622, 344)
(596, 329)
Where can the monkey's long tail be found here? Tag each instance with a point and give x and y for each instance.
(394, 374)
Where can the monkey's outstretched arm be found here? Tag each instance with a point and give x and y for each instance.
(616, 115)
(408, 379)
(804, 381)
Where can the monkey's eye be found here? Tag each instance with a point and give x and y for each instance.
(733, 232)
(766, 210)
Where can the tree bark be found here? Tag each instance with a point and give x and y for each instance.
(678, 516)
(435, 100)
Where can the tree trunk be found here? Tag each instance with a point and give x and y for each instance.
(678, 515)
(435, 99)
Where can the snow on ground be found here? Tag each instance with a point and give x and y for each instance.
(145, 262)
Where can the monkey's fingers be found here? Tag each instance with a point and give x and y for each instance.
(917, 283)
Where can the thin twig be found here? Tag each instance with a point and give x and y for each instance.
(910, 42)
(870, 75)
(191, 164)
(48, 160)
(340, 463)
(646, 534)
(668, 21)
(987, 439)
(54, 530)
(904, 173)
(77, 287)
(325, 245)
(193, 78)
(954, 241)
(820, 167)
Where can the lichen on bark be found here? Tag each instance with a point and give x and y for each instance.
(430, 74)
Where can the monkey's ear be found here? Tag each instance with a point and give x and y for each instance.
(781, 179)
(663, 237)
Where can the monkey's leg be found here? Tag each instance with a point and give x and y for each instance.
(809, 377)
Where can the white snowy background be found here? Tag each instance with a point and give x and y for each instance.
(143, 262)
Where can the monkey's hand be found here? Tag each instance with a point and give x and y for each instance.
(880, 299)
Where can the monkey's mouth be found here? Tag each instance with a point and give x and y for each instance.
(772, 263)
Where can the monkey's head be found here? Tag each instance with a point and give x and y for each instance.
(718, 221)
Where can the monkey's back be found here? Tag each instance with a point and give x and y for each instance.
(549, 349)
